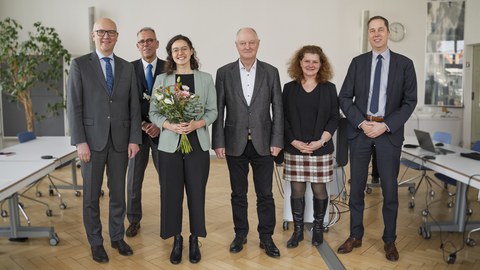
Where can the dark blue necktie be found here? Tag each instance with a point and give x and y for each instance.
(109, 72)
(149, 78)
(376, 86)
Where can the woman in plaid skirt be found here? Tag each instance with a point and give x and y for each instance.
(311, 118)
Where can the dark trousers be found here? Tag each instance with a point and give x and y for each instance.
(388, 161)
(374, 163)
(179, 173)
(135, 176)
(262, 167)
(92, 173)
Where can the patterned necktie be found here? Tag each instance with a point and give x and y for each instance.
(149, 77)
(109, 72)
(376, 86)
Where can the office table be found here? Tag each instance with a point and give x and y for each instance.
(23, 168)
(57, 147)
(467, 173)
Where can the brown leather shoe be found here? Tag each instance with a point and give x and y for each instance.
(391, 252)
(349, 245)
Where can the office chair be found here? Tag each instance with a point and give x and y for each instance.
(443, 137)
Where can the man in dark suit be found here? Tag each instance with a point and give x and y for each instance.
(246, 90)
(147, 65)
(378, 96)
(104, 120)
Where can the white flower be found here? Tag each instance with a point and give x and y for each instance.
(185, 88)
(159, 96)
(168, 101)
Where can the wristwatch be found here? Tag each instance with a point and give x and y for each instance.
(323, 143)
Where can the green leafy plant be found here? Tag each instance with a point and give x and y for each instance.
(37, 59)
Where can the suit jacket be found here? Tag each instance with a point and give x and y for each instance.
(401, 94)
(327, 116)
(142, 90)
(266, 131)
(204, 88)
(93, 114)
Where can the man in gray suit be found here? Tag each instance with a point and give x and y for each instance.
(104, 119)
(248, 90)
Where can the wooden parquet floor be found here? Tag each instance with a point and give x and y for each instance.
(151, 252)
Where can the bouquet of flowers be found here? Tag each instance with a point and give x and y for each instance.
(178, 105)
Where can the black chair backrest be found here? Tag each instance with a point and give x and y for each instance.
(342, 142)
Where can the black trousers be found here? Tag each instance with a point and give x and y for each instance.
(135, 176)
(181, 173)
(388, 161)
(262, 167)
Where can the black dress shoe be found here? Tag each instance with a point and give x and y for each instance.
(123, 248)
(176, 255)
(194, 251)
(237, 244)
(270, 248)
(99, 254)
(133, 229)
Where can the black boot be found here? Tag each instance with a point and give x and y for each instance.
(319, 209)
(298, 208)
(194, 249)
(176, 255)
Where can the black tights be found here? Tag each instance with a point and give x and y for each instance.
(319, 190)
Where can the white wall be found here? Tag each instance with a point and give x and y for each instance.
(282, 25)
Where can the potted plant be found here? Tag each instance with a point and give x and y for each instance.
(24, 64)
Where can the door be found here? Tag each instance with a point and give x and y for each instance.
(475, 94)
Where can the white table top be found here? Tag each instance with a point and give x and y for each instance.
(58, 147)
(462, 169)
(25, 166)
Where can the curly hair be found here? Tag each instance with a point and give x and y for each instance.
(170, 65)
(325, 72)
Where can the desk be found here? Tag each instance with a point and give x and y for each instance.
(58, 147)
(23, 168)
(456, 167)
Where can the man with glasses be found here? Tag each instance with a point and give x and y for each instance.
(146, 69)
(104, 120)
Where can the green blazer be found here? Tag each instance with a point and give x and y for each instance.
(204, 87)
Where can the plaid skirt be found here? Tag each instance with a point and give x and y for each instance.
(303, 168)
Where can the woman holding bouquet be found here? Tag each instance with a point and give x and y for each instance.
(181, 169)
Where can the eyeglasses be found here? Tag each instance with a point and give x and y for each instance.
(144, 42)
(111, 33)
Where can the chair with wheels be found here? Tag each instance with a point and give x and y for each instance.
(442, 137)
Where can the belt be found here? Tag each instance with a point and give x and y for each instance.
(374, 118)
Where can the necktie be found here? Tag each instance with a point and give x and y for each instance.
(376, 85)
(149, 77)
(109, 72)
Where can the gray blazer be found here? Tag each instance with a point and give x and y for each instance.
(204, 88)
(264, 116)
(93, 114)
